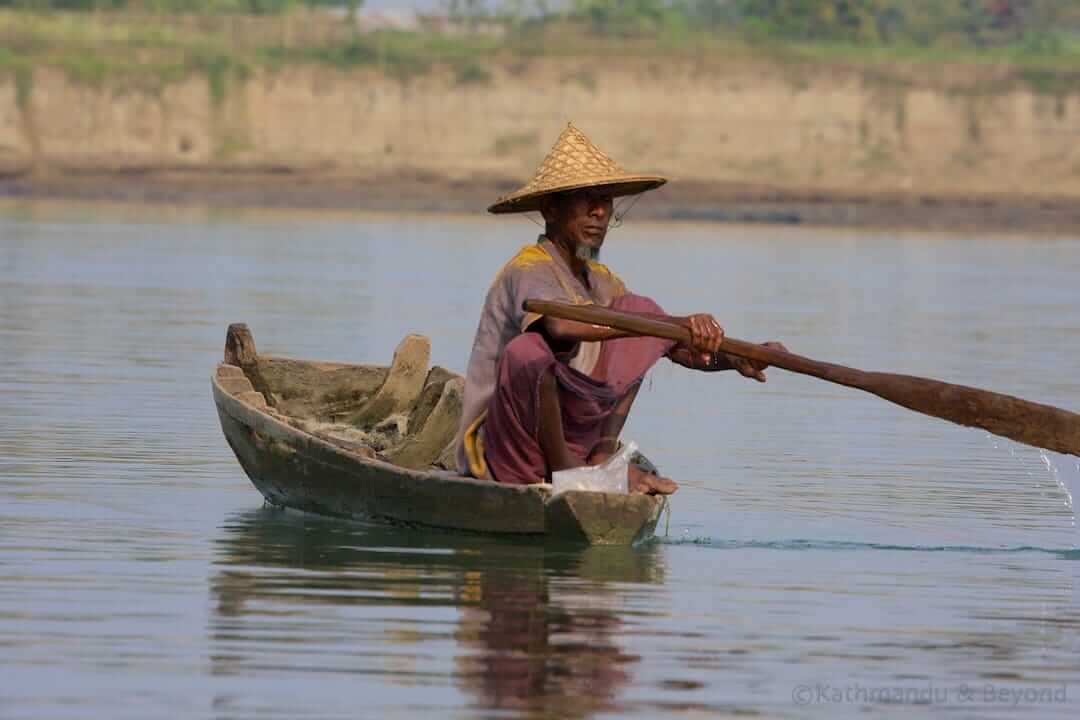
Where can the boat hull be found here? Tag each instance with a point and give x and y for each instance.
(293, 468)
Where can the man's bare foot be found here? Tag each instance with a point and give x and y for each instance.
(649, 484)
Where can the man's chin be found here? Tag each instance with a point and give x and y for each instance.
(585, 252)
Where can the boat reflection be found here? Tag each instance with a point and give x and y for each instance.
(535, 628)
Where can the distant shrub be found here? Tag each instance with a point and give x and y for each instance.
(472, 73)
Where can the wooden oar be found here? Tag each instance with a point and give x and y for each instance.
(1031, 423)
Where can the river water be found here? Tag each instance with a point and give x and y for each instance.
(829, 554)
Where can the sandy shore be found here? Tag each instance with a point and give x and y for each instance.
(716, 202)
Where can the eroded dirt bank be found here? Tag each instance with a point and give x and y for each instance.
(742, 142)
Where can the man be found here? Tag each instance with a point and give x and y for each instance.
(544, 394)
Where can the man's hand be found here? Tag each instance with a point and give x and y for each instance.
(706, 335)
(752, 368)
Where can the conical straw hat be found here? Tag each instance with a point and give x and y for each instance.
(573, 163)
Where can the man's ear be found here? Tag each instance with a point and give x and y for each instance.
(547, 209)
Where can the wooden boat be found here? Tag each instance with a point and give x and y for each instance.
(373, 442)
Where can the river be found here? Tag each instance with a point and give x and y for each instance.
(829, 554)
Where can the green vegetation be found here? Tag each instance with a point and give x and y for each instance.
(112, 50)
(148, 44)
(23, 71)
(1038, 26)
(24, 85)
(472, 73)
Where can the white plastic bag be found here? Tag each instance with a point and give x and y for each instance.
(613, 475)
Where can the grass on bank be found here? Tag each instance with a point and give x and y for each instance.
(149, 51)
(95, 52)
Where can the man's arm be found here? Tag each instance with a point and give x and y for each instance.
(572, 331)
(712, 362)
(706, 332)
(696, 360)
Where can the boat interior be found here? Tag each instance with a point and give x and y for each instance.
(406, 413)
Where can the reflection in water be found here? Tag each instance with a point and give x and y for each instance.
(536, 627)
(526, 651)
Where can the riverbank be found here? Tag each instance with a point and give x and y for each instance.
(745, 142)
(287, 188)
(265, 112)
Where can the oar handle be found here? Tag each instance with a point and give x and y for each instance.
(596, 315)
(628, 322)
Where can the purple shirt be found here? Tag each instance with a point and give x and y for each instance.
(537, 272)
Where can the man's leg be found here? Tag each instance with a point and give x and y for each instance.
(609, 439)
(550, 434)
(559, 456)
(622, 364)
(544, 417)
(524, 434)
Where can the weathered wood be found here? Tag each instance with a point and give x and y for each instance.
(295, 469)
(447, 459)
(239, 346)
(423, 446)
(235, 385)
(403, 384)
(301, 388)
(256, 399)
(229, 371)
(240, 351)
(599, 518)
(320, 390)
(436, 380)
(1012, 417)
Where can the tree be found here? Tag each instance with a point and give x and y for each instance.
(836, 20)
(625, 16)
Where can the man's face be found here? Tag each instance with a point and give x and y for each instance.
(580, 217)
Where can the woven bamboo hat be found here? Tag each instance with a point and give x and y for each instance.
(574, 163)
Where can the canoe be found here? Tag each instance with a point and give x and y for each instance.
(375, 443)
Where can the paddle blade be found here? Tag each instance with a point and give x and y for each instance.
(1021, 420)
